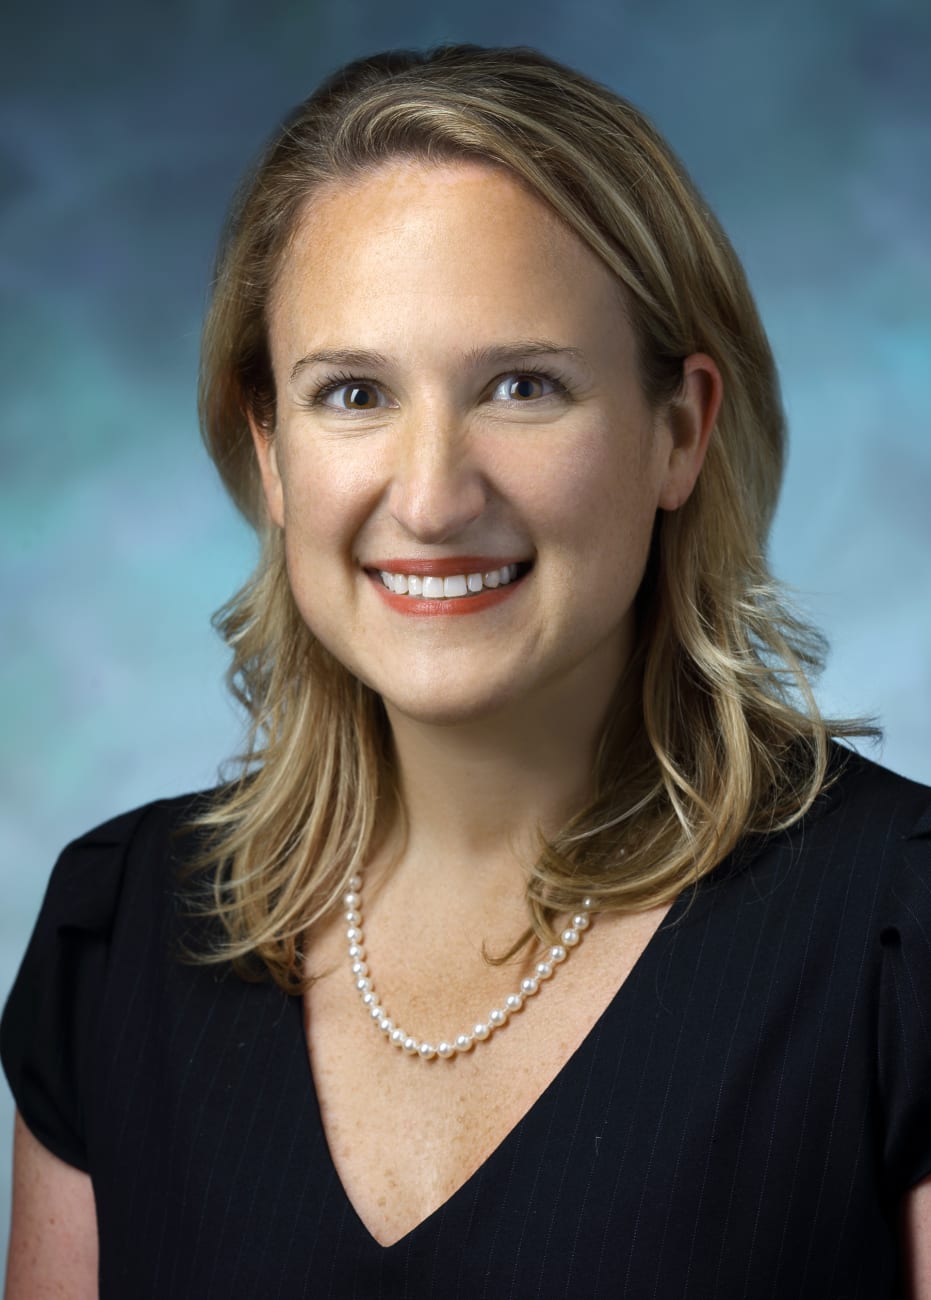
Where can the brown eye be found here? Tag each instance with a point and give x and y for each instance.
(342, 394)
(360, 398)
(526, 387)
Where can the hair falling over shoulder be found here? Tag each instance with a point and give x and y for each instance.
(724, 739)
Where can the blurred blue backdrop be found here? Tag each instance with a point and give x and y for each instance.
(123, 132)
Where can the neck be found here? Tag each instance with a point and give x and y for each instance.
(476, 794)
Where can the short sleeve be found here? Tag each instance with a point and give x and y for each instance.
(49, 1025)
(904, 1042)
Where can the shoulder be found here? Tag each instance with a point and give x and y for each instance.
(145, 825)
(134, 852)
(870, 792)
(884, 824)
(864, 813)
(879, 820)
(149, 832)
(863, 847)
(106, 912)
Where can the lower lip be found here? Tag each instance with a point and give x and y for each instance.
(419, 607)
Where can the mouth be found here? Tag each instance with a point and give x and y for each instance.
(435, 588)
(452, 586)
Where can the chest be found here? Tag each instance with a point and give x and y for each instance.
(405, 1134)
(713, 1133)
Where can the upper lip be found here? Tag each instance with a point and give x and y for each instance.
(447, 567)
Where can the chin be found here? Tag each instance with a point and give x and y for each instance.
(440, 708)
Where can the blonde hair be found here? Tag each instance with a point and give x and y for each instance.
(714, 733)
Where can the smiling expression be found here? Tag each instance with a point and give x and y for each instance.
(464, 463)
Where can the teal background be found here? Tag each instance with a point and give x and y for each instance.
(123, 130)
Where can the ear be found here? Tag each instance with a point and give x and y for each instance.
(267, 455)
(690, 418)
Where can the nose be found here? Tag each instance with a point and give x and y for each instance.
(437, 487)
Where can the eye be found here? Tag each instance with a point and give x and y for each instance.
(357, 394)
(345, 393)
(524, 385)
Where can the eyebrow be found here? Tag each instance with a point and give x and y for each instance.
(475, 358)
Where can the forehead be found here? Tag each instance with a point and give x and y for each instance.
(465, 242)
(409, 197)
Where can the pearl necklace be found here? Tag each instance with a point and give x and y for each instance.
(481, 1032)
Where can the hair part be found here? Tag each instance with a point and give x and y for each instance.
(714, 733)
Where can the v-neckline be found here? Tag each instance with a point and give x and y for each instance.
(674, 916)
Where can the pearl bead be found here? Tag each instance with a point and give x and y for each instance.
(398, 1037)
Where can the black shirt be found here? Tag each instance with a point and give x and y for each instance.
(742, 1121)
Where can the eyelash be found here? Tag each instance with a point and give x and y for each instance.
(340, 379)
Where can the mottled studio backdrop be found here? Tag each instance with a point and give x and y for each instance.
(123, 131)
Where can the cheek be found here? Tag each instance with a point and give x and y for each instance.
(600, 499)
(326, 497)
(318, 537)
(326, 501)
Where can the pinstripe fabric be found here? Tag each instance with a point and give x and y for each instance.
(741, 1122)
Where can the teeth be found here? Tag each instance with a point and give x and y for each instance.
(460, 584)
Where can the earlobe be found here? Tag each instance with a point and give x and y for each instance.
(267, 455)
(691, 418)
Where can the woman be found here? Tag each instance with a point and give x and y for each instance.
(637, 1003)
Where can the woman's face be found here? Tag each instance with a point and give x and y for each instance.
(458, 393)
